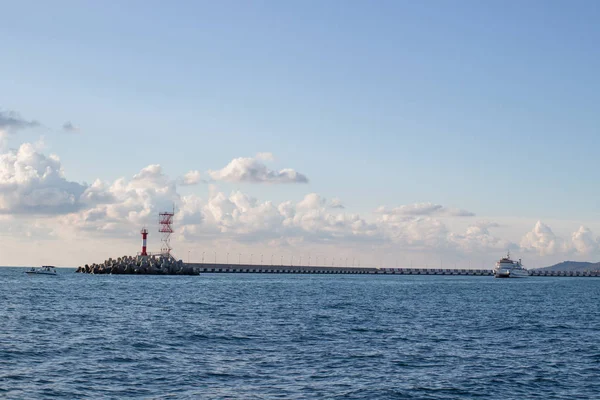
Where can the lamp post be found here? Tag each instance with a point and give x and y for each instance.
(251, 258)
(188, 256)
(292, 260)
(317, 260)
(271, 259)
(300, 260)
(215, 257)
(227, 258)
(239, 258)
(261, 259)
(309, 261)
(333, 262)
(202, 257)
(282, 260)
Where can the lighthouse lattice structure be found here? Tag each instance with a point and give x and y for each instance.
(144, 233)
(165, 220)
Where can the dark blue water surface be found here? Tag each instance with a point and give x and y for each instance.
(252, 336)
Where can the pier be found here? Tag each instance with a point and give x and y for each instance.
(279, 269)
(305, 269)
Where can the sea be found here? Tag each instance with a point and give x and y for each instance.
(269, 336)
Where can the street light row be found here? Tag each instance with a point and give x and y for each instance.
(354, 259)
(309, 260)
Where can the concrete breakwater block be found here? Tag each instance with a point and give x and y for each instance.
(141, 265)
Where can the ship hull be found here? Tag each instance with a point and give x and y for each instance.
(510, 273)
(40, 273)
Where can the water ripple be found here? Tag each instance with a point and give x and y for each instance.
(297, 336)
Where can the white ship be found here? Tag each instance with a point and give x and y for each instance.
(507, 268)
(45, 270)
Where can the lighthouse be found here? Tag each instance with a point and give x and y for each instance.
(144, 233)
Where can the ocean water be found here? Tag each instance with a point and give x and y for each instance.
(251, 336)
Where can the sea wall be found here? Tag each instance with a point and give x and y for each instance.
(304, 269)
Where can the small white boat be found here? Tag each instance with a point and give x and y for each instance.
(507, 268)
(44, 270)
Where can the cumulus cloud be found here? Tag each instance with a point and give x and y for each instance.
(70, 127)
(542, 240)
(418, 227)
(32, 183)
(12, 121)
(478, 238)
(584, 242)
(424, 209)
(336, 203)
(191, 178)
(414, 231)
(312, 201)
(253, 170)
(117, 207)
(246, 219)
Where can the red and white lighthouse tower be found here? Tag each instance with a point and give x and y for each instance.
(144, 233)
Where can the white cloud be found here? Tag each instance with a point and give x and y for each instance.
(253, 170)
(243, 218)
(32, 183)
(241, 214)
(312, 201)
(191, 178)
(414, 231)
(478, 238)
(336, 203)
(542, 240)
(583, 241)
(117, 207)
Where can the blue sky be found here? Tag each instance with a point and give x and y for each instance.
(485, 106)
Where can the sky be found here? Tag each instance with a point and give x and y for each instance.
(390, 133)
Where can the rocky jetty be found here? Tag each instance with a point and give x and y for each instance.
(141, 265)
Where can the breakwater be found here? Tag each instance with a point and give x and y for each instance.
(140, 265)
(304, 269)
(279, 269)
